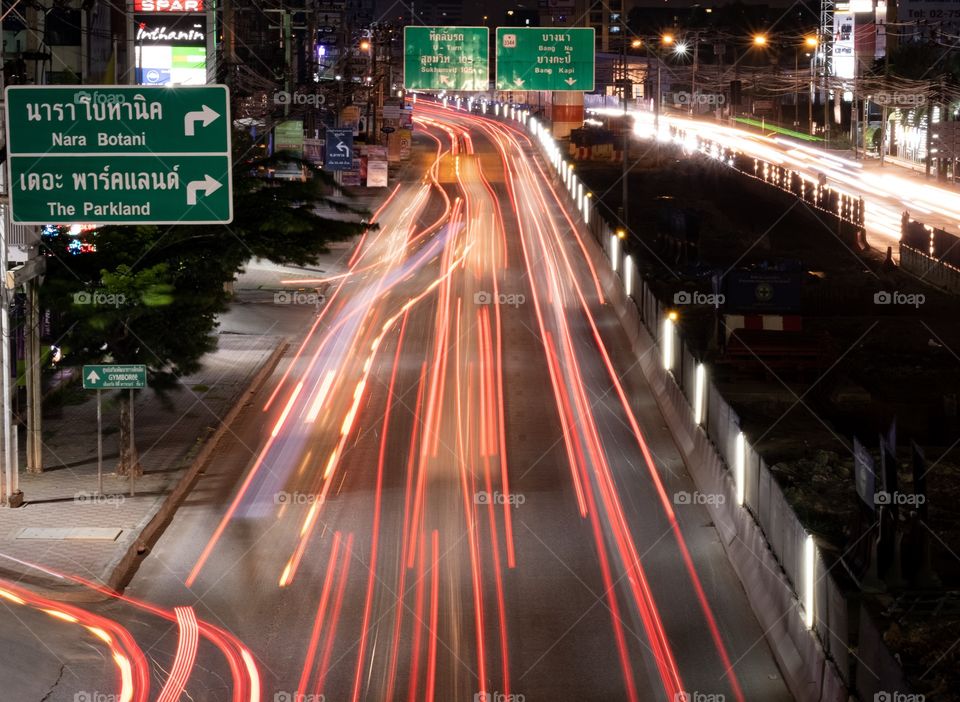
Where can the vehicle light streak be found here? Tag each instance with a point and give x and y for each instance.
(186, 654)
(375, 529)
(319, 618)
(243, 669)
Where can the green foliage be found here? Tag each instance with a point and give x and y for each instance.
(152, 294)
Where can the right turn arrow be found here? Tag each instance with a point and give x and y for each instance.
(208, 185)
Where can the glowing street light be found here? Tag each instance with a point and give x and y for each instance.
(636, 43)
(760, 39)
(810, 42)
(667, 39)
(364, 45)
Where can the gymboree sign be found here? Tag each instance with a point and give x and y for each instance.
(168, 5)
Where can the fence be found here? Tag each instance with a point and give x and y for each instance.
(931, 254)
(796, 596)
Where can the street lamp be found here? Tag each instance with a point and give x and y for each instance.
(759, 39)
(809, 42)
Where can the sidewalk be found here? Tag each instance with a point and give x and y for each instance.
(66, 527)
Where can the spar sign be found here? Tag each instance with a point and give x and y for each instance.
(168, 5)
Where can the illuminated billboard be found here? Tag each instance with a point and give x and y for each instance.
(168, 5)
(171, 49)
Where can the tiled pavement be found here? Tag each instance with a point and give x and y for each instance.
(169, 433)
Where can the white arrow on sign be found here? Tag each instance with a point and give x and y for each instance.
(204, 115)
(444, 80)
(93, 377)
(519, 81)
(570, 81)
(208, 185)
(343, 148)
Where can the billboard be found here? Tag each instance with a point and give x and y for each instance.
(377, 174)
(171, 49)
(288, 136)
(844, 53)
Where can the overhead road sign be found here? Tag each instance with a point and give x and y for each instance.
(545, 58)
(446, 58)
(114, 377)
(112, 154)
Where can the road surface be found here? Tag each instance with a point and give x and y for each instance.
(456, 486)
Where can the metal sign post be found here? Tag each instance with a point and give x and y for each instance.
(132, 468)
(114, 377)
(99, 444)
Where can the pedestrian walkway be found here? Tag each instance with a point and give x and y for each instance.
(65, 525)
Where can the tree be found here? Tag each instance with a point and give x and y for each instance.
(151, 295)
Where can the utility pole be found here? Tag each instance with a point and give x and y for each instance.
(32, 372)
(626, 132)
(693, 75)
(10, 494)
(287, 60)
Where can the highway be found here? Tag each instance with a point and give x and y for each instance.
(455, 486)
(887, 192)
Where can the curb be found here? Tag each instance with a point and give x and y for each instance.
(150, 528)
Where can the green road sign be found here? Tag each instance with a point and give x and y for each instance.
(545, 58)
(446, 58)
(114, 377)
(114, 154)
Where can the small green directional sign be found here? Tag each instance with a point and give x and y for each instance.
(446, 58)
(545, 58)
(114, 377)
(115, 154)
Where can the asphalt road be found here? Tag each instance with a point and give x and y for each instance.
(455, 486)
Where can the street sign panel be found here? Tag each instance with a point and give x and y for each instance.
(114, 377)
(545, 58)
(338, 154)
(113, 154)
(446, 58)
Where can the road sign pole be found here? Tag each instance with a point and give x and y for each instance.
(132, 467)
(99, 444)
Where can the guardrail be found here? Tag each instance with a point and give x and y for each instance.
(791, 585)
